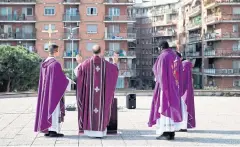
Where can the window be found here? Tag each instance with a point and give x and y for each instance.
(114, 11)
(49, 10)
(114, 29)
(27, 11)
(236, 64)
(46, 46)
(114, 46)
(91, 11)
(235, 28)
(90, 46)
(46, 26)
(91, 29)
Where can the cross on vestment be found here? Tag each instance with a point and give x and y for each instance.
(50, 31)
(97, 68)
(95, 110)
(97, 89)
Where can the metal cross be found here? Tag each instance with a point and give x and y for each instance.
(95, 110)
(97, 68)
(97, 89)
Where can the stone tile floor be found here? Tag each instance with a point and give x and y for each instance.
(218, 124)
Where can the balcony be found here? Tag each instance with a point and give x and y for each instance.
(119, 2)
(71, 18)
(193, 54)
(209, 4)
(127, 72)
(164, 11)
(219, 53)
(195, 11)
(120, 36)
(119, 19)
(17, 18)
(68, 53)
(222, 72)
(194, 25)
(18, 2)
(222, 36)
(67, 36)
(226, 18)
(122, 54)
(194, 38)
(17, 36)
(164, 23)
(164, 34)
(71, 2)
(196, 70)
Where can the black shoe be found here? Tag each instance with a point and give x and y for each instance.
(55, 134)
(172, 136)
(46, 135)
(183, 130)
(164, 136)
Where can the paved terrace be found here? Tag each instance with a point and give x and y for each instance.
(218, 124)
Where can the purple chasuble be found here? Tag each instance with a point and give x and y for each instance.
(168, 72)
(188, 95)
(51, 88)
(96, 83)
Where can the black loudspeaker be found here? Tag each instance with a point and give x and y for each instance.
(131, 101)
(113, 124)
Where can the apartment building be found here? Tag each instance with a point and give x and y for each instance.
(155, 21)
(211, 30)
(74, 25)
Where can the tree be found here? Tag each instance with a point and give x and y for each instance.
(19, 69)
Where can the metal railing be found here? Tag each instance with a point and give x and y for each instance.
(18, 1)
(164, 11)
(193, 25)
(222, 52)
(16, 17)
(17, 35)
(127, 73)
(69, 53)
(222, 71)
(119, 18)
(222, 17)
(225, 35)
(195, 10)
(120, 36)
(68, 17)
(209, 2)
(68, 36)
(164, 33)
(110, 53)
(119, 1)
(194, 38)
(71, 1)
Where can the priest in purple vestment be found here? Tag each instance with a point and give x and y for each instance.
(166, 104)
(188, 93)
(51, 88)
(96, 83)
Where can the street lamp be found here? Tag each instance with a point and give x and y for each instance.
(71, 37)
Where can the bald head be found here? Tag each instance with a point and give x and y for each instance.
(96, 49)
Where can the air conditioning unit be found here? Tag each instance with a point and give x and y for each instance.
(224, 71)
(230, 71)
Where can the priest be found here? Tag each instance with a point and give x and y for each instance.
(166, 111)
(51, 88)
(188, 94)
(96, 83)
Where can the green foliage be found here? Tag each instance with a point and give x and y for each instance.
(68, 73)
(19, 69)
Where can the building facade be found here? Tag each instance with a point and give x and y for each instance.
(211, 30)
(155, 21)
(74, 25)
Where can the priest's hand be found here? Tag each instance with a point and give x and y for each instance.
(115, 58)
(79, 59)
